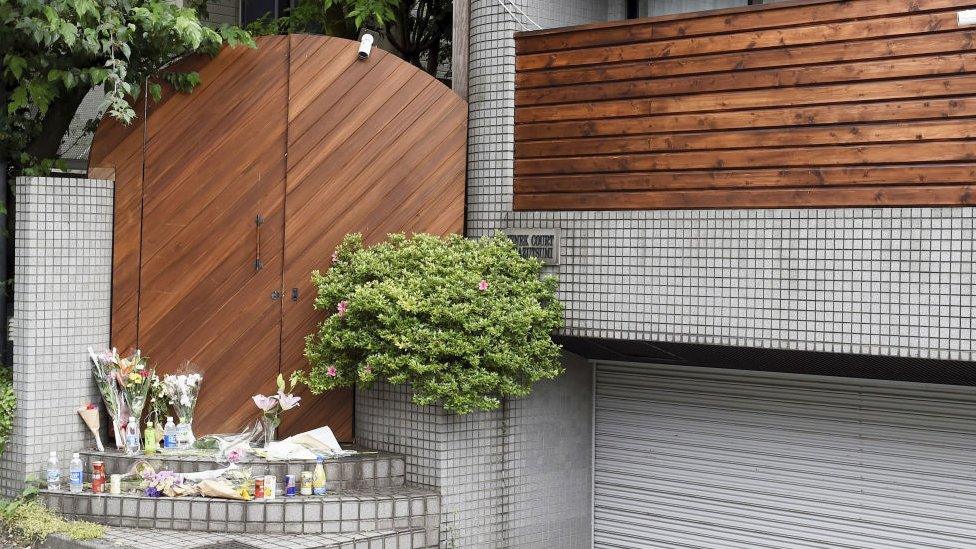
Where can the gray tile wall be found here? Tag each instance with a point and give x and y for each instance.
(548, 462)
(62, 296)
(461, 456)
(865, 280)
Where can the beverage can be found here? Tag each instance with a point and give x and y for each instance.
(270, 487)
(115, 485)
(259, 488)
(98, 477)
(290, 487)
(306, 483)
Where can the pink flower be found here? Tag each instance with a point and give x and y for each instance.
(235, 455)
(483, 285)
(368, 369)
(265, 403)
(335, 256)
(342, 307)
(331, 371)
(288, 401)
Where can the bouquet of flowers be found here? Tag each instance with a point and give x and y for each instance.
(134, 376)
(103, 370)
(182, 391)
(273, 406)
(123, 384)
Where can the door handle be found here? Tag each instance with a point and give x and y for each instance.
(258, 221)
(294, 294)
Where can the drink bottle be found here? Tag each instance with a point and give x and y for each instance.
(318, 478)
(150, 439)
(169, 433)
(132, 437)
(53, 472)
(74, 473)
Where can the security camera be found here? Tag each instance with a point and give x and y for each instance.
(365, 46)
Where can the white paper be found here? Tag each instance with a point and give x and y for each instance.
(967, 17)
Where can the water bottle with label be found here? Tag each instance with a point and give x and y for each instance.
(75, 474)
(53, 473)
(169, 433)
(183, 434)
(132, 443)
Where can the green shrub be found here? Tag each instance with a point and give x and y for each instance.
(465, 323)
(27, 521)
(7, 404)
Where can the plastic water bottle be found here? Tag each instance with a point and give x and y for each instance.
(150, 439)
(53, 472)
(183, 434)
(169, 433)
(132, 437)
(75, 474)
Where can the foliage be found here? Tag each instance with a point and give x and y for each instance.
(29, 522)
(8, 402)
(55, 51)
(465, 322)
(421, 32)
(342, 18)
(418, 30)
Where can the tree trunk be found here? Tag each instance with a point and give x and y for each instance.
(55, 125)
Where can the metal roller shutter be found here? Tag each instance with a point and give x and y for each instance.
(703, 458)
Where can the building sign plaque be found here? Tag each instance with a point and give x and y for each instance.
(542, 244)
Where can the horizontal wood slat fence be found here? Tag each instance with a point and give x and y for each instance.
(823, 103)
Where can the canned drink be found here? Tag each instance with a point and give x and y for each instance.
(115, 486)
(98, 477)
(306, 483)
(290, 487)
(270, 487)
(259, 488)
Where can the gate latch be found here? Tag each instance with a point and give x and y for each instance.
(294, 294)
(276, 295)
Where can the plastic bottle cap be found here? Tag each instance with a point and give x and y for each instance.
(54, 453)
(148, 424)
(76, 454)
(132, 419)
(169, 419)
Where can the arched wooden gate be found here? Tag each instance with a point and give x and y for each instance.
(228, 198)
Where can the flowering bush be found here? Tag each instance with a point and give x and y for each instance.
(465, 323)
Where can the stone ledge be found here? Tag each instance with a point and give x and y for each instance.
(403, 508)
(366, 470)
(134, 538)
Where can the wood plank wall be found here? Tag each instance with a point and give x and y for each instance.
(824, 103)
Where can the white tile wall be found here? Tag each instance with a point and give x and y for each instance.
(62, 302)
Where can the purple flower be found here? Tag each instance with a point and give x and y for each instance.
(331, 371)
(235, 455)
(483, 285)
(342, 307)
(335, 256)
(288, 401)
(265, 403)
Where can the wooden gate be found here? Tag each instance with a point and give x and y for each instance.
(228, 198)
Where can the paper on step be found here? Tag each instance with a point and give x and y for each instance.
(318, 440)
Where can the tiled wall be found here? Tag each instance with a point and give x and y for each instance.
(868, 280)
(548, 462)
(61, 306)
(459, 455)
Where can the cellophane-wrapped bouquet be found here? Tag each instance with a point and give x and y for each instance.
(123, 383)
(182, 391)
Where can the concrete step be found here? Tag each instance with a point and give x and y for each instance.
(137, 538)
(368, 469)
(396, 508)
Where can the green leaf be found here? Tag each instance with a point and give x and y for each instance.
(15, 65)
(18, 99)
(156, 92)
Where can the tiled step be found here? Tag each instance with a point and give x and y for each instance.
(401, 508)
(365, 470)
(136, 538)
